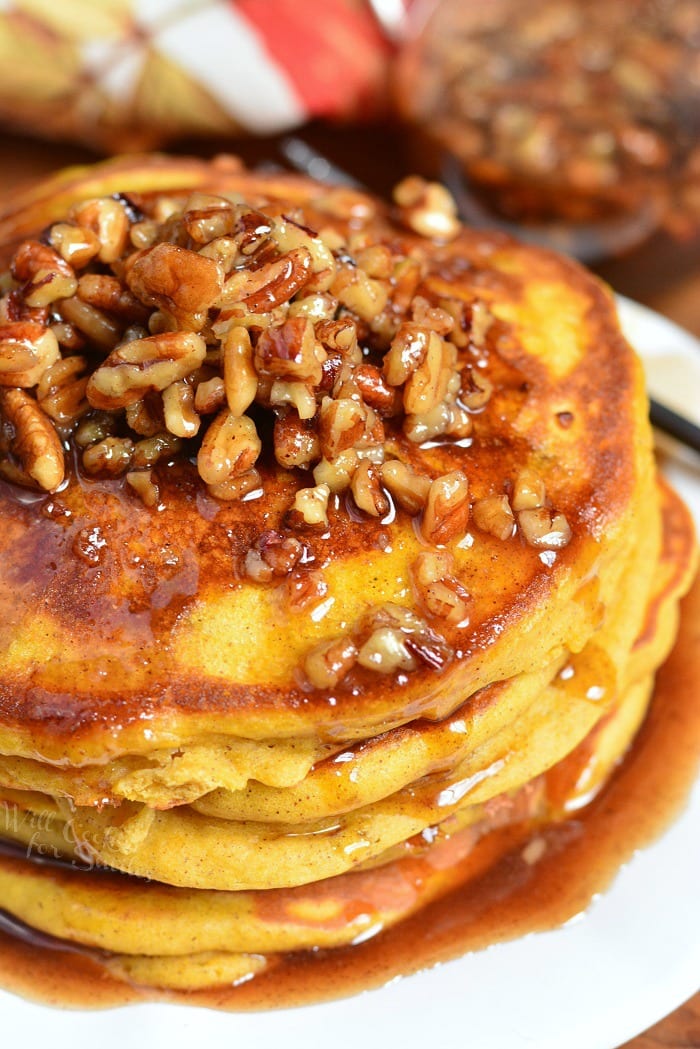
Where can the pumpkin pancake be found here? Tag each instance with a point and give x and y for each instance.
(213, 937)
(331, 532)
(186, 644)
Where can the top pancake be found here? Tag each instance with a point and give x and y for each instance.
(125, 628)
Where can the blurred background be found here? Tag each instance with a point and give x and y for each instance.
(574, 123)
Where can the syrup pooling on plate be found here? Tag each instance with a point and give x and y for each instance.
(357, 540)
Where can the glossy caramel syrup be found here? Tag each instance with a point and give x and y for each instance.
(498, 901)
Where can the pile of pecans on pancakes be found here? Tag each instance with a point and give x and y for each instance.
(140, 336)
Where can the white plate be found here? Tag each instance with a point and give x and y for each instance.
(599, 980)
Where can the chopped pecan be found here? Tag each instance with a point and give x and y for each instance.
(206, 217)
(528, 491)
(367, 490)
(100, 329)
(271, 284)
(447, 508)
(328, 663)
(296, 442)
(339, 337)
(476, 389)
(434, 317)
(341, 425)
(290, 236)
(143, 484)
(135, 368)
(26, 351)
(108, 293)
(272, 555)
(427, 208)
(362, 294)
(210, 395)
(420, 640)
(145, 416)
(376, 392)
(337, 473)
(544, 529)
(444, 419)
(386, 651)
(493, 514)
(178, 409)
(439, 593)
(181, 283)
(33, 439)
(344, 203)
(68, 336)
(310, 507)
(151, 450)
(95, 427)
(302, 589)
(376, 260)
(112, 456)
(61, 390)
(316, 306)
(76, 245)
(44, 274)
(235, 488)
(108, 219)
(240, 377)
(298, 395)
(290, 351)
(407, 351)
(409, 489)
(427, 385)
(230, 448)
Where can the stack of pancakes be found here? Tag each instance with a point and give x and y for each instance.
(156, 717)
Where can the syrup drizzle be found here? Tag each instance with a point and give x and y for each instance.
(579, 858)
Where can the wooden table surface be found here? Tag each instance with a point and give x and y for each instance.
(672, 289)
